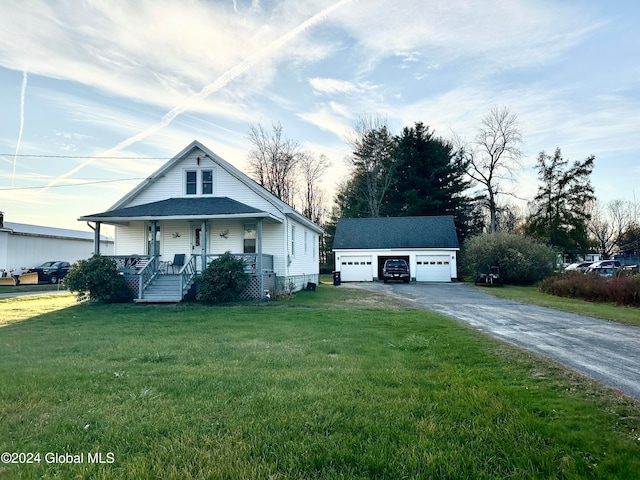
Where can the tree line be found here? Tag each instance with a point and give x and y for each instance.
(416, 172)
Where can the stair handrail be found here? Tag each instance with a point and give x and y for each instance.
(147, 274)
(187, 272)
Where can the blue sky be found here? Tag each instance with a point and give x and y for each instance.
(85, 80)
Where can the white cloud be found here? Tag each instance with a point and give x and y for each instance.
(333, 86)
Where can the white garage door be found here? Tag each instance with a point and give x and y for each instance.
(433, 268)
(356, 268)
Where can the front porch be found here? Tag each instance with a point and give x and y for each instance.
(152, 279)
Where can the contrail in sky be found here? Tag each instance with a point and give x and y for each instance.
(22, 94)
(219, 83)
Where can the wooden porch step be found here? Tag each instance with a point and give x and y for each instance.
(163, 289)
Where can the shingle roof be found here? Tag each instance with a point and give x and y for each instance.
(180, 207)
(395, 232)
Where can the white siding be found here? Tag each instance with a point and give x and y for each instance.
(176, 237)
(302, 260)
(27, 251)
(130, 239)
(172, 185)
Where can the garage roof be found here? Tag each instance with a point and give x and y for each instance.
(395, 232)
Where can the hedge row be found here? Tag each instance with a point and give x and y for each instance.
(624, 290)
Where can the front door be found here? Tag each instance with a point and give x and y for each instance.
(196, 245)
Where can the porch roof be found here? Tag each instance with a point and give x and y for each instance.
(181, 209)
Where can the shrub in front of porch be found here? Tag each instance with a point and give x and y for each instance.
(97, 279)
(223, 280)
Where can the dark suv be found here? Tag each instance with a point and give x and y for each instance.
(52, 272)
(396, 269)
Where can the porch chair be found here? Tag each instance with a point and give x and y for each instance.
(178, 261)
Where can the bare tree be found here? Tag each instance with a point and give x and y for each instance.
(312, 168)
(494, 157)
(273, 161)
(372, 162)
(600, 228)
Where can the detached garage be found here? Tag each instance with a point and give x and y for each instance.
(428, 244)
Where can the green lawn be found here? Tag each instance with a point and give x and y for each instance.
(338, 383)
(533, 294)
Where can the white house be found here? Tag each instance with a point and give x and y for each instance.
(196, 207)
(428, 244)
(26, 246)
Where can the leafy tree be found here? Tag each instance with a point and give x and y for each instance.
(522, 260)
(494, 156)
(223, 280)
(97, 279)
(558, 214)
(429, 178)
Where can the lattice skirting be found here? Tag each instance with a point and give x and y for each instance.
(253, 290)
(133, 282)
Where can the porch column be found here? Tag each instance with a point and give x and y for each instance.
(96, 238)
(154, 236)
(203, 243)
(259, 255)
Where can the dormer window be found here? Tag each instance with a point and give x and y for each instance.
(207, 182)
(198, 182)
(192, 182)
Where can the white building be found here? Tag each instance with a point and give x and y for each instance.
(196, 207)
(429, 245)
(26, 246)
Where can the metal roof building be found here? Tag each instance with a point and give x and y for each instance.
(25, 246)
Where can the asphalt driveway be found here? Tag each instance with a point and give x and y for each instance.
(603, 350)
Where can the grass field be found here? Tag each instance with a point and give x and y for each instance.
(533, 294)
(337, 383)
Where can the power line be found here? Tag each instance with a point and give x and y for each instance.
(83, 156)
(73, 184)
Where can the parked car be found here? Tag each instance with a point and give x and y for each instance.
(396, 269)
(52, 272)
(604, 264)
(604, 271)
(578, 267)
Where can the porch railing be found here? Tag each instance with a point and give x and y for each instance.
(142, 269)
(187, 272)
(147, 274)
(250, 262)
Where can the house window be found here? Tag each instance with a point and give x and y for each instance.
(293, 240)
(306, 241)
(207, 182)
(191, 182)
(250, 238)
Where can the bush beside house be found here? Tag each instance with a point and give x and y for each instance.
(97, 279)
(223, 280)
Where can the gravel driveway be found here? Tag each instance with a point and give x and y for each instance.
(606, 351)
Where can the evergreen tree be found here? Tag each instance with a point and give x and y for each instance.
(429, 178)
(559, 214)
